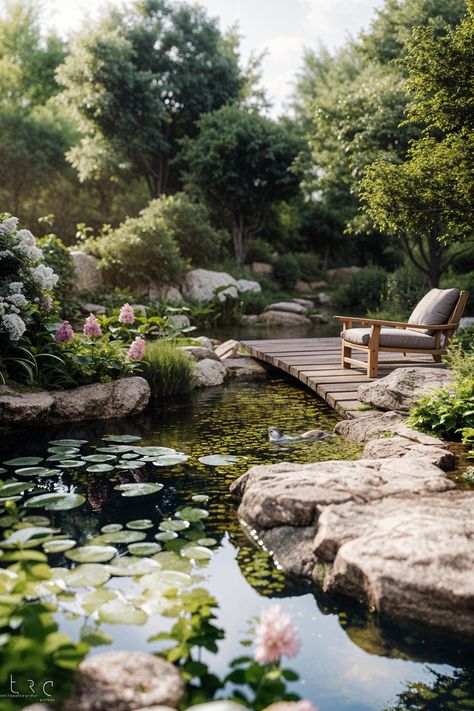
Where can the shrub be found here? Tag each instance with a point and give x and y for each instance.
(168, 370)
(258, 250)
(142, 248)
(253, 302)
(309, 264)
(57, 256)
(190, 226)
(286, 271)
(465, 282)
(405, 288)
(365, 290)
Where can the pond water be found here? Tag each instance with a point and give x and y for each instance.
(350, 659)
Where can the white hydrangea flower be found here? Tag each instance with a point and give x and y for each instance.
(8, 226)
(26, 245)
(4, 253)
(16, 287)
(14, 325)
(18, 300)
(44, 277)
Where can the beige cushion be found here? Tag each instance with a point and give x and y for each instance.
(436, 307)
(391, 338)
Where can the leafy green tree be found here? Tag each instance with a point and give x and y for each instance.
(241, 163)
(138, 82)
(430, 194)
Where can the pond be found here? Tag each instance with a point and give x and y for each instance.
(350, 660)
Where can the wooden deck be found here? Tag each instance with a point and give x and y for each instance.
(316, 362)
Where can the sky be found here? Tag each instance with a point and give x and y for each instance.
(282, 28)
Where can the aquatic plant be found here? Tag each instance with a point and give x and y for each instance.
(275, 636)
(168, 370)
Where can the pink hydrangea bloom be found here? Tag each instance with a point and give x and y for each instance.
(127, 315)
(292, 706)
(276, 636)
(137, 349)
(64, 333)
(92, 326)
(46, 303)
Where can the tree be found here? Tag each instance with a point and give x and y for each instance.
(429, 195)
(137, 84)
(241, 163)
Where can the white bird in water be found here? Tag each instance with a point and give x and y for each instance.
(276, 436)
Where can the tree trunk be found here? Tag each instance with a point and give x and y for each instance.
(238, 237)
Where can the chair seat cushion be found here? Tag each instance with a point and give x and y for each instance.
(390, 338)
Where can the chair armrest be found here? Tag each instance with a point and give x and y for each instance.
(395, 324)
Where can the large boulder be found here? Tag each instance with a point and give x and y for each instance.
(387, 447)
(261, 268)
(209, 373)
(87, 274)
(289, 494)
(246, 285)
(341, 275)
(403, 387)
(408, 557)
(164, 292)
(23, 408)
(119, 398)
(283, 318)
(362, 429)
(124, 681)
(291, 307)
(199, 352)
(200, 285)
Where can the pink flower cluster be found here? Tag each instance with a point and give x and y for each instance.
(92, 326)
(46, 303)
(276, 636)
(292, 706)
(127, 314)
(137, 349)
(64, 333)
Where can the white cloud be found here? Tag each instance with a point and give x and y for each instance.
(332, 22)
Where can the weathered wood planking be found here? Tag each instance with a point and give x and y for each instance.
(316, 362)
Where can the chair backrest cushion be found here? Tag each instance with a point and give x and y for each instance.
(436, 307)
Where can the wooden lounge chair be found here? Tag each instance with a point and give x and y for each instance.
(428, 330)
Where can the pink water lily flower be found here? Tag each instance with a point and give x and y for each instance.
(292, 706)
(64, 333)
(92, 326)
(127, 314)
(275, 636)
(137, 349)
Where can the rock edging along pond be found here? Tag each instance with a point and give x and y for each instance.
(393, 533)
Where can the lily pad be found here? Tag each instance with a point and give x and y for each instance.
(119, 612)
(33, 520)
(200, 498)
(173, 525)
(154, 451)
(59, 545)
(170, 460)
(25, 535)
(191, 514)
(86, 575)
(68, 442)
(15, 487)
(92, 600)
(169, 560)
(140, 524)
(139, 489)
(118, 537)
(206, 542)
(165, 579)
(133, 464)
(166, 536)
(129, 455)
(145, 548)
(24, 461)
(115, 449)
(63, 450)
(36, 471)
(219, 460)
(121, 439)
(71, 464)
(92, 554)
(131, 565)
(197, 552)
(99, 458)
(56, 502)
(94, 636)
(100, 468)
(111, 527)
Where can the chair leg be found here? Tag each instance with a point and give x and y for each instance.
(373, 364)
(346, 353)
(437, 358)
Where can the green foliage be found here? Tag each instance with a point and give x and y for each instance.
(137, 83)
(241, 163)
(141, 249)
(365, 290)
(222, 310)
(449, 411)
(58, 257)
(309, 265)
(258, 250)
(164, 321)
(168, 370)
(95, 360)
(286, 271)
(405, 288)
